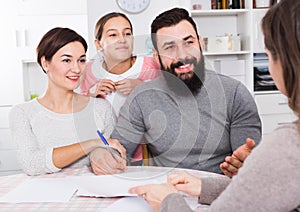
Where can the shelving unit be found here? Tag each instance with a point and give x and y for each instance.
(246, 23)
(212, 23)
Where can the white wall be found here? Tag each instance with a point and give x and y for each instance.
(141, 22)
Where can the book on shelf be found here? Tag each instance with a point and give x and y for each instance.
(236, 4)
(213, 4)
(227, 4)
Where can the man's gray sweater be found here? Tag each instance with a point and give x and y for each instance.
(186, 130)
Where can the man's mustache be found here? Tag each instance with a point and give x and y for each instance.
(183, 62)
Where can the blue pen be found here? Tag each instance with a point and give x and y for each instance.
(111, 150)
(102, 138)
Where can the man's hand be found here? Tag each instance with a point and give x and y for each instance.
(235, 161)
(114, 143)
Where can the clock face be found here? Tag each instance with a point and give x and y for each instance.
(133, 6)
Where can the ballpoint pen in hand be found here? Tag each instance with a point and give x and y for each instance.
(111, 150)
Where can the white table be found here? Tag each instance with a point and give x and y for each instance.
(76, 203)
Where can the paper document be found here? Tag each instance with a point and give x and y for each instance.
(129, 204)
(41, 190)
(112, 185)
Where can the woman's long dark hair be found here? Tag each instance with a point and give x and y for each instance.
(281, 28)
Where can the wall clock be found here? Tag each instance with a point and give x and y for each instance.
(133, 6)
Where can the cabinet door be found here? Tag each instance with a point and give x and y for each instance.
(30, 30)
(4, 112)
(5, 135)
(272, 104)
(258, 38)
(6, 142)
(274, 111)
(8, 160)
(53, 7)
(272, 121)
(11, 78)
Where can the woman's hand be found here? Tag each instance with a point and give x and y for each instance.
(104, 87)
(186, 183)
(125, 86)
(154, 194)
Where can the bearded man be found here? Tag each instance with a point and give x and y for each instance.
(189, 117)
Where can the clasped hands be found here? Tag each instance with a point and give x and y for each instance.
(106, 86)
(154, 194)
(110, 159)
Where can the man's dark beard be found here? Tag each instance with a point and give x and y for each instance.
(194, 83)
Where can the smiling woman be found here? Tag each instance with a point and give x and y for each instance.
(72, 120)
(66, 65)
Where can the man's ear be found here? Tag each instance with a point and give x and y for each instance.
(201, 42)
(98, 45)
(155, 55)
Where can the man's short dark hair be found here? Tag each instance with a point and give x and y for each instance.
(170, 18)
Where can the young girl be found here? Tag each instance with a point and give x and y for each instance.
(115, 72)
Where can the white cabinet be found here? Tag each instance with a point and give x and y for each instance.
(5, 140)
(274, 111)
(31, 28)
(272, 105)
(257, 35)
(11, 85)
(53, 7)
(11, 78)
(8, 162)
(4, 111)
(36, 17)
(8, 157)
